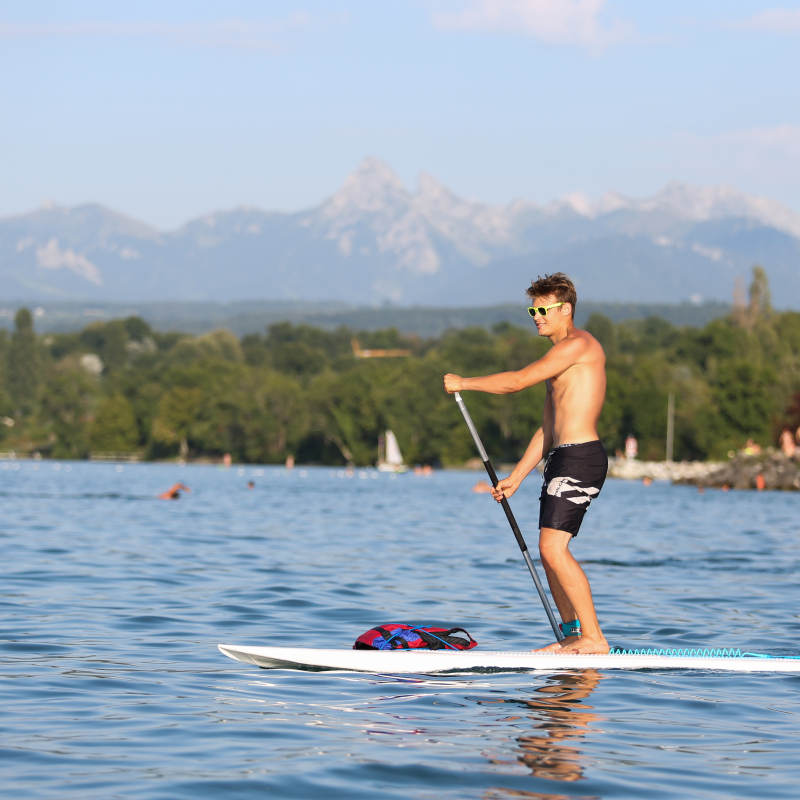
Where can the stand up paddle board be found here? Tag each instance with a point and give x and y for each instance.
(423, 662)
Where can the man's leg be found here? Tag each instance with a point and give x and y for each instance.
(571, 592)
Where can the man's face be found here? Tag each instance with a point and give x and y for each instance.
(555, 318)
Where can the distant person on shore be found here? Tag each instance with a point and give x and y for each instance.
(751, 448)
(631, 447)
(576, 464)
(289, 462)
(174, 493)
(787, 444)
(226, 460)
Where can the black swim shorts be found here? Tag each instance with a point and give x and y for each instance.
(573, 476)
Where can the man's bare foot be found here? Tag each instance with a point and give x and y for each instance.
(557, 645)
(587, 645)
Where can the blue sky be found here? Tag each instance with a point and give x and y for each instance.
(166, 111)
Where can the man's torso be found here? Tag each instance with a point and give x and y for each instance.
(578, 393)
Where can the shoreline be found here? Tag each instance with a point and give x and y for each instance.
(770, 470)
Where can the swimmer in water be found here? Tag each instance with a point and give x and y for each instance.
(251, 485)
(174, 493)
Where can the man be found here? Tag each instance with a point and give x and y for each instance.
(576, 466)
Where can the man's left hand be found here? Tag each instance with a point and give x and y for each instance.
(504, 489)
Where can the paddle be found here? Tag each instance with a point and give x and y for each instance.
(510, 516)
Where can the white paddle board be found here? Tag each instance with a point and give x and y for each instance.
(423, 662)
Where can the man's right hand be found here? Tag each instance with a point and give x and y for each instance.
(505, 488)
(452, 383)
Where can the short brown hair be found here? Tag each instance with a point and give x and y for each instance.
(558, 285)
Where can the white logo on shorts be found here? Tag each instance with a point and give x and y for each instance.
(558, 486)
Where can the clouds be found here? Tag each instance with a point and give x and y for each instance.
(565, 22)
(774, 150)
(761, 160)
(264, 35)
(783, 140)
(578, 22)
(777, 20)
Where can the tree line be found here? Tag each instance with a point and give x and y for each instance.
(120, 386)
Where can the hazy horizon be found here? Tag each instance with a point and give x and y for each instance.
(578, 200)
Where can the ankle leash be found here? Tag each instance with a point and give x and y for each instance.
(571, 628)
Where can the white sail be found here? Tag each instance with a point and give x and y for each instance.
(393, 454)
(390, 459)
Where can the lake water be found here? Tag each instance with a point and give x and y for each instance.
(113, 603)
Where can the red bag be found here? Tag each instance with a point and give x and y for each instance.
(407, 637)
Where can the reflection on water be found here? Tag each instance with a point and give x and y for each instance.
(561, 718)
(502, 794)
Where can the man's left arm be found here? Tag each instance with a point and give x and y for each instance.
(559, 358)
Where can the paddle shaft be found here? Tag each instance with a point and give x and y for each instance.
(510, 517)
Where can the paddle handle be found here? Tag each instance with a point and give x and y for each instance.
(510, 517)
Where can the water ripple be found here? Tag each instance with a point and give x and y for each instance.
(112, 604)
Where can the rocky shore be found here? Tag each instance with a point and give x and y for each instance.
(768, 470)
(683, 471)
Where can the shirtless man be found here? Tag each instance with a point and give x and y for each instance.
(576, 466)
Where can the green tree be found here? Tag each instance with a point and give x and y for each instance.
(114, 427)
(64, 413)
(746, 401)
(114, 352)
(300, 390)
(23, 376)
(760, 300)
(137, 329)
(4, 343)
(602, 328)
(270, 417)
(176, 418)
(6, 406)
(218, 344)
(344, 412)
(297, 359)
(645, 413)
(94, 337)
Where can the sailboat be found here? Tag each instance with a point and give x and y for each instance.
(390, 459)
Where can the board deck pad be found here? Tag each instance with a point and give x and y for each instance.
(423, 662)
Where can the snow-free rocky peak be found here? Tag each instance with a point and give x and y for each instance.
(373, 215)
(374, 240)
(372, 188)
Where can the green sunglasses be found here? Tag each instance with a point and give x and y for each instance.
(542, 310)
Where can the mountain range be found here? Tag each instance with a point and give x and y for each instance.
(375, 242)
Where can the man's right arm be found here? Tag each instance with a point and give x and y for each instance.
(559, 358)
